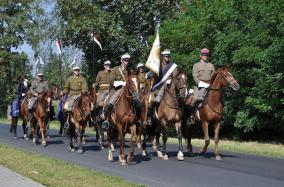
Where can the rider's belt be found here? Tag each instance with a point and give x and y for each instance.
(104, 85)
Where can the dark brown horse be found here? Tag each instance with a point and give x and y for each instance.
(170, 113)
(212, 109)
(25, 114)
(80, 116)
(124, 118)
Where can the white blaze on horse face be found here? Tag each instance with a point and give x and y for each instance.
(134, 79)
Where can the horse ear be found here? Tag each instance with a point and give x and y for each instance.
(226, 67)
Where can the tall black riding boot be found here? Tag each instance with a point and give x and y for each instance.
(105, 124)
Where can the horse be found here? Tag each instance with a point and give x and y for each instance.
(123, 117)
(212, 109)
(25, 114)
(81, 113)
(15, 114)
(41, 117)
(170, 112)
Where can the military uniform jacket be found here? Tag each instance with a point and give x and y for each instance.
(75, 85)
(104, 79)
(173, 74)
(202, 72)
(39, 87)
(119, 74)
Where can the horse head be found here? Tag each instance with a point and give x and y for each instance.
(226, 78)
(133, 87)
(180, 82)
(85, 104)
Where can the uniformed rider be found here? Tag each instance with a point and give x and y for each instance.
(38, 87)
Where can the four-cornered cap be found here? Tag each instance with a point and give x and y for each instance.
(125, 56)
(108, 62)
(204, 51)
(76, 68)
(140, 65)
(166, 52)
(39, 74)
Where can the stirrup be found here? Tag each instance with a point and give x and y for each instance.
(105, 124)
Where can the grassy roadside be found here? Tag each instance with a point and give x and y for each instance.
(256, 148)
(52, 172)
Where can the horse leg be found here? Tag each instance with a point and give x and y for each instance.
(34, 136)
(165, 138)
(139, 145)
(79, 137)
(144, 145)
(132, 142)
(109, 137)
(42, 131)
(47, 129)
(216, 140)
(100, 137)
(25, 129)
(189, 137)
(180, 148)
(206, 136)
(121, 145)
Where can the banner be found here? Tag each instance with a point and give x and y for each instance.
(95, 37)
(153, 62)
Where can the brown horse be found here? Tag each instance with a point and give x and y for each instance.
(124, 118)
(25, 114)
(80, 116)
(212, 108)
(170, 112)
(41, 114)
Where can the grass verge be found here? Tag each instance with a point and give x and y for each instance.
(52, 172)
(252, 147)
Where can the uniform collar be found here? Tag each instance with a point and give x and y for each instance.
(202, 62)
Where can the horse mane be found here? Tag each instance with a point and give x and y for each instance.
(214, 75)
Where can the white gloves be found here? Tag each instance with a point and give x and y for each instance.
(23, 94)
(118, 83)
(190, 91)
(202, 84)
(168, 81)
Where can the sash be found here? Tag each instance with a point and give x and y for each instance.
(165, 75)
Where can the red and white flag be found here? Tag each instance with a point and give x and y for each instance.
(58, 45)
(95, 37)
(74, 59)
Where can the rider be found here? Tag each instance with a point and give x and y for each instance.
(120, 73)
(103, 81)
(74, 86)
(141, 75)
(166, 65)
(202, 72)
(38, 87)
(23, 86)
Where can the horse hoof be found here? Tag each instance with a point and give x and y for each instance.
(26, 137)
(84, 142)
(15, 137)
(191, 154)
(48, 137)
(201, 151)
(123, 162)
(43, 144)
(160, 154)
(102, 148)
(165, 157)
(180, 156)
(110, 159)
(218, 157)
(144, 153)
(80, 151)
(112, 148)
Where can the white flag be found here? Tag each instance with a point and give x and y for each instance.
(95, 37)
(58, 45)
(74, 59)
(40, 60)
(153, 62)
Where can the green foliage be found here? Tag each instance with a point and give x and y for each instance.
(17, 23)
(248, 35)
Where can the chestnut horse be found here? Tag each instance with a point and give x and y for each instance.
(169, 112)
(212, 108)
(41, 116)
(80, 116)
(124, 117)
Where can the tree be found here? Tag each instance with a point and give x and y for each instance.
(248, 35)
(17, 23)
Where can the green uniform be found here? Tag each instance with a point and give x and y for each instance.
(104, 80)
(74, 86)
(201, 72)
(37, 87)
(119, 75)
(141, 79)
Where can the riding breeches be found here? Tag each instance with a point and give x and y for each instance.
(160, 94)
(31, 102)
(102, 95)
(115, 96)
(69, 103)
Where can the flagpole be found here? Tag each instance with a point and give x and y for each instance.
(60, 71)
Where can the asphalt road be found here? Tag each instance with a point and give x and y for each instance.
(201, 170)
